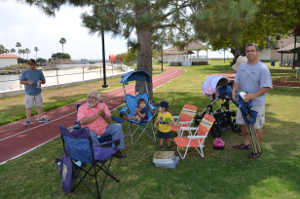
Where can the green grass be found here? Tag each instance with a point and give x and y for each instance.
(15, 67)
(220, 174)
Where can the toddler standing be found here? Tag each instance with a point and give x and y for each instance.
(165, 121)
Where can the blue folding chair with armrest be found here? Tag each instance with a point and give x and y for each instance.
(79, 146)
(131, 105)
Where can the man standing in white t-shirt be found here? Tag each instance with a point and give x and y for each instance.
(254, 78)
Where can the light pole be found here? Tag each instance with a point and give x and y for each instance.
(162, 59)
(294, 52)
(103, 60)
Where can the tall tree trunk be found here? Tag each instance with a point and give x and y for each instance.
(236, 51)
(144, 61)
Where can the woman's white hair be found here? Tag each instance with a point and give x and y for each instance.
(98, 95)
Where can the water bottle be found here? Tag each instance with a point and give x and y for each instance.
(38, 85)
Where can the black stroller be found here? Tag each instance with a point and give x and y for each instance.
(223, 119)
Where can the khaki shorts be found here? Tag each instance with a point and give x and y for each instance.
(260, 120)
(31, 100)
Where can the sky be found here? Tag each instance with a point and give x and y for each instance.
(31, 27)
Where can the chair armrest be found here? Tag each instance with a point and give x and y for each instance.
(189, 128)
(151, 107)
(74, 127)
(175, 117)
(186, 122)
(196, 136)
(107, 142)
(124, 110)
(117, 119)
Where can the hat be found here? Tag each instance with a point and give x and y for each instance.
(238, 62)
(163, 104)
(31, 61)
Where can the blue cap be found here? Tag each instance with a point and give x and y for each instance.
(163, 104)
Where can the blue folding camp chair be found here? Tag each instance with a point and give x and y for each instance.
(79, 146)
(131, 105)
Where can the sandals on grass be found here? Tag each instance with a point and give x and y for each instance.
(254, 156)
(242, 147)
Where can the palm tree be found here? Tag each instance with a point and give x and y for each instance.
(62, 41)
(36, 49)
(27, 51)
(2, 49)
(18, 44)
(12, 50)
(22, 51)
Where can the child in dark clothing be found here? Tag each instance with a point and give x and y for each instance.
(141, 113)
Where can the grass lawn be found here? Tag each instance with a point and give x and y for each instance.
(220, 174)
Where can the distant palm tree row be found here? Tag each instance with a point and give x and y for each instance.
(24, 51)
(4, 50)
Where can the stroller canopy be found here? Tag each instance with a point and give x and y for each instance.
(140, 75)
(210, 84)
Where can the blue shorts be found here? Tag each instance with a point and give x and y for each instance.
(163, 135)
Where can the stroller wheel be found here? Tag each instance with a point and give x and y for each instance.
(216, 131)
(235, 127)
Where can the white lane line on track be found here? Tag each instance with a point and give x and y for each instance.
(28, 150)
(76, 111)
(36, 126)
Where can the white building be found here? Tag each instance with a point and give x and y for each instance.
(176, 57)
(270, 54)
(8, 59)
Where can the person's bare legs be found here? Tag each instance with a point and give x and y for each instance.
(169, 141)
(259, 134)
(135, 118)
(28, 113)
(39, 110)
(161, 141)
(245, 134)
(245, 144)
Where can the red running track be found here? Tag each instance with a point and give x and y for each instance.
(15, 139)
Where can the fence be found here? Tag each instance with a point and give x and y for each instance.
(11, 79)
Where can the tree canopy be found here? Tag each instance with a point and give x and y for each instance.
(269, 21)
(61, 56)
(222, 23)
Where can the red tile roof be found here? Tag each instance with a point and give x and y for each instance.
(8, 56)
